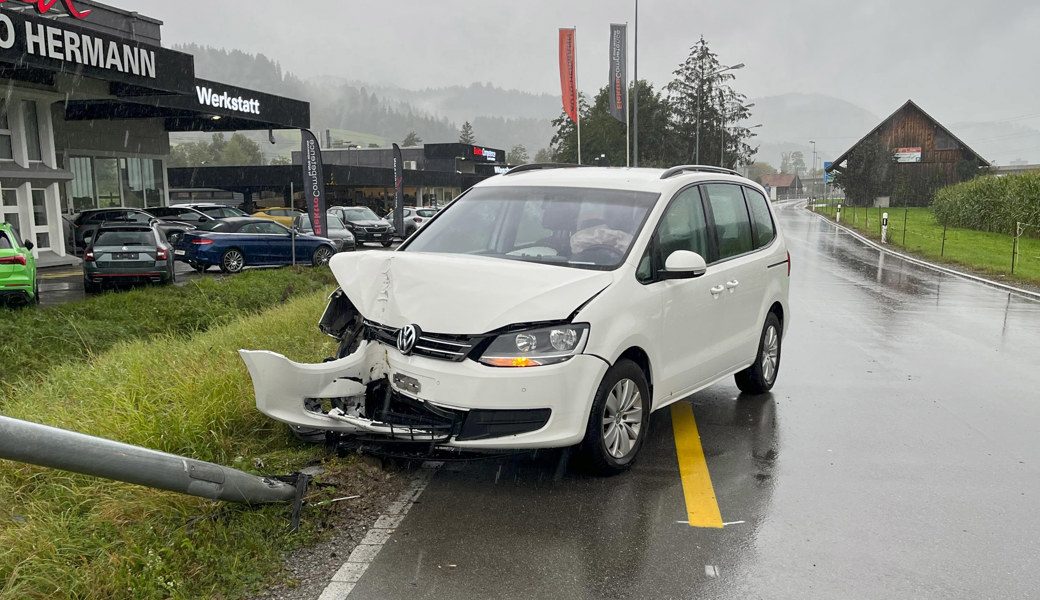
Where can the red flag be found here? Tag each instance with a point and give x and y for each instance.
(570, 91)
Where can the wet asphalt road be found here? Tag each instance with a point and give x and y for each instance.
(896, 458)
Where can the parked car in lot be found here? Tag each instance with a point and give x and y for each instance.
(18, 282)
(238, 242)
(183, 214)
(85, 224)
(548, 307)
(335, 231)
(283, 215)
(127, 253)
(365, 224)
(217, 211)
(414, 218)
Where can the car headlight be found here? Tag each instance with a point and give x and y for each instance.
(537, 347)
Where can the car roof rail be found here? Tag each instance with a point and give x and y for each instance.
(540, 167)
(700, 168)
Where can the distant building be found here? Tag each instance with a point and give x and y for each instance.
(926, 156)
(786, 186)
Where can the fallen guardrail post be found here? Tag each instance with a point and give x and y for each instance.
(46, 446)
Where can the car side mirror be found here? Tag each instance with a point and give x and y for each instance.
(87, 238)
(203, 219)
(683, 264)
(29, 245)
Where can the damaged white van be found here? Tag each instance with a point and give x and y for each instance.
(548, 307)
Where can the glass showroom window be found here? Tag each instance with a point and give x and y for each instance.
(9, 209)
(31, 120)
(39, 206)
(81, 188)
(6, 138)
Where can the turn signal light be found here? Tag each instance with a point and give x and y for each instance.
(521, 361)
(17, 259)
(89, 255)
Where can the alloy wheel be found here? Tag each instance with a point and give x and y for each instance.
(770, 354)
(622, 418)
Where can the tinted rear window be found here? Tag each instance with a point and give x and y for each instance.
(426, 212)
(126, 238)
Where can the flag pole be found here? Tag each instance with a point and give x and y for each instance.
(628, 121)
(577, 92)
(635, 100)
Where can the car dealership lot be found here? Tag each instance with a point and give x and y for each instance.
(65, 284)
(894, 458)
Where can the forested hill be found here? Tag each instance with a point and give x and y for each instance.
(500, 118)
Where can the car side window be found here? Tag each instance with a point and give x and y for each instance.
(762, 221)
(682, 227)
(5, 244)
(732, 223)
(139, 217)
(270, 228)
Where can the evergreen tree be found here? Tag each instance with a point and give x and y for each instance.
(518, 155)
(412, 139)
(466, 134)
(705, 112)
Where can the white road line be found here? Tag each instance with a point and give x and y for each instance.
(350, 573)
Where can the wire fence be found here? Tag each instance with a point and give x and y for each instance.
(1012, 255)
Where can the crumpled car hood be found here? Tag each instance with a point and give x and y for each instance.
(462, 295)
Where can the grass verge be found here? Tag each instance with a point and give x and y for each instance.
(985, 253)
(34, 340)
(64, 535)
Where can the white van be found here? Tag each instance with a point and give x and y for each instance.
(548, 307)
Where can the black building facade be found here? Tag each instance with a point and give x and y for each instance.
(87, 105)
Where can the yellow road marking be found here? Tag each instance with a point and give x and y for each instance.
(49, 274)
(701, 504)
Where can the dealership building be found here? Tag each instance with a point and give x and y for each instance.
(89, 99)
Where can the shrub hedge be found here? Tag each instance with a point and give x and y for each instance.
(990, 203)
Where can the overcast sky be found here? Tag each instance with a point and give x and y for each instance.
(960, 61)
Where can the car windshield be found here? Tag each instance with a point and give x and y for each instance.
(359, 214)
(575, 227)
(125, 238)
(426, 212)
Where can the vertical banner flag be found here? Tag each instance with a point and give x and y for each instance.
(398, 191)
(618, 76)
(313, 181)
(567, 76)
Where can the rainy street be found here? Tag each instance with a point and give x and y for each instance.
(895, 458)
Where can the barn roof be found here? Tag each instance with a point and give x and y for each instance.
(909, 103)
(779, 181)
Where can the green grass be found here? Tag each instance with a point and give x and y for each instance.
(988, 253)
(64, 535)
(34, 340)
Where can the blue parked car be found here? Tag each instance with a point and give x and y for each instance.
(238, 242)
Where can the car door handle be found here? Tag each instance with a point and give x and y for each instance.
(715, 291)
(732, 285)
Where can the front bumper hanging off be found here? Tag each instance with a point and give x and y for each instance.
(354, 395)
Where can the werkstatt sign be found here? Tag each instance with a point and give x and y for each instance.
(29, 41)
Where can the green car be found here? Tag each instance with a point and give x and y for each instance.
(18, 284)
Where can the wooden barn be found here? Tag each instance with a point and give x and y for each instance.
(914, 155)
(786, 186)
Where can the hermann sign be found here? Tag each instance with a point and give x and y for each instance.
(34, 42)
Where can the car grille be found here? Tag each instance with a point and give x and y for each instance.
(376, 229)
(431, 345)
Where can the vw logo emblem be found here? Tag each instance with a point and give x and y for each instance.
(406, 339)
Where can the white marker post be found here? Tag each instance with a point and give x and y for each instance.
(837, 217)
(884, 228)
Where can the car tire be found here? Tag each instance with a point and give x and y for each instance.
(321, 256)
(91, 287)
(761, 375)
(387, 243)
(36, 292)
(232, 261)
(618, 421)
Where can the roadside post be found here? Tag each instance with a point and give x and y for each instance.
(837, 216)
(1014, 245)
(884, 228)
